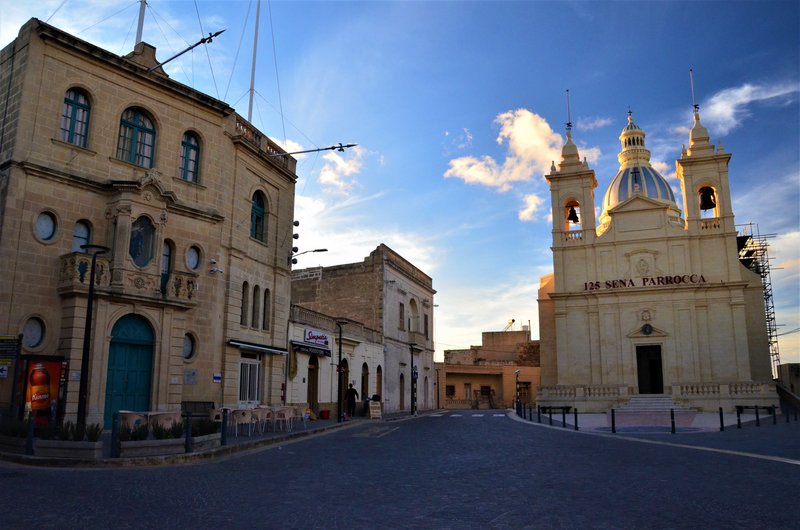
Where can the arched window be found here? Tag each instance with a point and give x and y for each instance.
(364, 381)
(137, 138)
(256, 301)
(267, 321)
(75, 118)
(81, 235)
(190, 157)
(142, 240)
(245, 303)
(379, 381)
(258, 213)
(708, 202)
(572, 215)
(413, 316)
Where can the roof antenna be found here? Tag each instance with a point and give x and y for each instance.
(695, 106)
(569, 114)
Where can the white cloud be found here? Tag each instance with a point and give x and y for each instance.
(784, 249)
(532, 204)
(532, 146)
(726, 109)
(338, 173)
(588, 124)
(667, 171)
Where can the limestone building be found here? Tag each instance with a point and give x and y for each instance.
(490, 375)
(653, 299)
(390, 295)
(312, 378)
(195, 206)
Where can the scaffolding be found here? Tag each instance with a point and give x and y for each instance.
(753, 254)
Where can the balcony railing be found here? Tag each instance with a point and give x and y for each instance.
(263, 144)
(176, 288)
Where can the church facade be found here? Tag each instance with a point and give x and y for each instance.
(652, 299)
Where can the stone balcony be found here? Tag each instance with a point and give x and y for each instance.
(179, 289)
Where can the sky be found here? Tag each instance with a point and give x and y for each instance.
(459, 108)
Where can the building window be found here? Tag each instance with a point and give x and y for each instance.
(137, 138)
(245, 303)
(402, 325)
(33, 332)
(256, 300)
(193, 258)
(250, 381)
(142, 239)
(189, 347)
(425, 325)
(258, 217)
(450, 391)
(265, 325)
(45, 226)
(81, 235)
(75, 118)
(190, 157)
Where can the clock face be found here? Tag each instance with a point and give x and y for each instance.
(193, 257)
(45, 226)
(33, 332)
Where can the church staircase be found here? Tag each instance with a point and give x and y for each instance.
(652, 410)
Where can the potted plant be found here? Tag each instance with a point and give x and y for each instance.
(70, 441)
(136, 442)
(205, 435)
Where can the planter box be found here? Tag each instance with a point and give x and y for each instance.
(11, 444)
(168, 446)
(204, 443)
(65, 449)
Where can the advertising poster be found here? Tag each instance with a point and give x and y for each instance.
(44, 381)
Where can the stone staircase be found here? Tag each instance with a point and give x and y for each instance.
(652, 410)
(652, 403)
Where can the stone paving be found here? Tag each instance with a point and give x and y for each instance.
(465, 469)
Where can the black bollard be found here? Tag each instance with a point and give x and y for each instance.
(563, 417)
(672, 420)
(115, 447)
(539, 414)
(785, 412)
(758, 422)
(738, 417)
(613, 422)
(224, 427)
(774, 416)
(188, 432)
(721, 421)
(550, 414)
(576, 419)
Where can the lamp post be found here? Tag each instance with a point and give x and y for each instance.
(293, 257)
(413, 381)
(339, 418)
(94, 250)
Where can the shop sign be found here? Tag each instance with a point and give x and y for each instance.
(312, 336)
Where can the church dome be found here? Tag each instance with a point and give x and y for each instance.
(635, 176)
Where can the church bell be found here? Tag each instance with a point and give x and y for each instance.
(573, 215)
(707, 199)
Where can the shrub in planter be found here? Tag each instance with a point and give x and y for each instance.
(164, 433)
(128, 434)
(205, 426)
(93, 432)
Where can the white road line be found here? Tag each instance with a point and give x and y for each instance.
(455, 415)
(477, 415)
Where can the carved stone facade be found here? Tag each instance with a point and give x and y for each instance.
(193, 206)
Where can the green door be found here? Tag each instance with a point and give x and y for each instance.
(130, 367)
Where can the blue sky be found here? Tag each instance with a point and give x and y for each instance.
(459, 108)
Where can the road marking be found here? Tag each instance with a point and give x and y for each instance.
(477, 415)
(375, 432)
(437, 415)
(455, 415)
(499, 415)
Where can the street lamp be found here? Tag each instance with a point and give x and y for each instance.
(339, 418)
(94, 250)
(293, 257)
(413, 381)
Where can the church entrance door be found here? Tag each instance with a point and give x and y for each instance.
(648, 361)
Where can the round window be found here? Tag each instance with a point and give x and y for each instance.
(193, 257)
(33, 332)
(45, 226)
(188, 347)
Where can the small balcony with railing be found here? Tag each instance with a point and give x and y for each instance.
(177, 289)
(266, 148)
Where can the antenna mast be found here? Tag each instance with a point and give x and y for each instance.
(253, 67)
(569, 114)
(695, 106)
(140, 27)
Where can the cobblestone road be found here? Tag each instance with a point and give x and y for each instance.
(465, 471)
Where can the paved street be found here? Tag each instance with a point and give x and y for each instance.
(446, 470)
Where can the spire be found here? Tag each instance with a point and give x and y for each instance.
(698, 136)
(633, 147)
(570, 158)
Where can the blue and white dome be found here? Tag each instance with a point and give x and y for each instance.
(635, 176)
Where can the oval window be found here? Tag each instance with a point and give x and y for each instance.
(45, 226)
(33, 332)
(188, 347)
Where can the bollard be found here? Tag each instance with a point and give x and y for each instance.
(224, 427)
(738, 417)
(550, 414)
(613, 422)
(539, 414)
(672, 420)
(774, 417)
(563, 417)
(530, 413)
(721, 421)
(188, 431)
(758, 422)
(576, 419)
(29, 437)
(115, 447)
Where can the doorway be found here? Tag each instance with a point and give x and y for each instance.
(130, 367)
(648, 363)
(312, 394)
